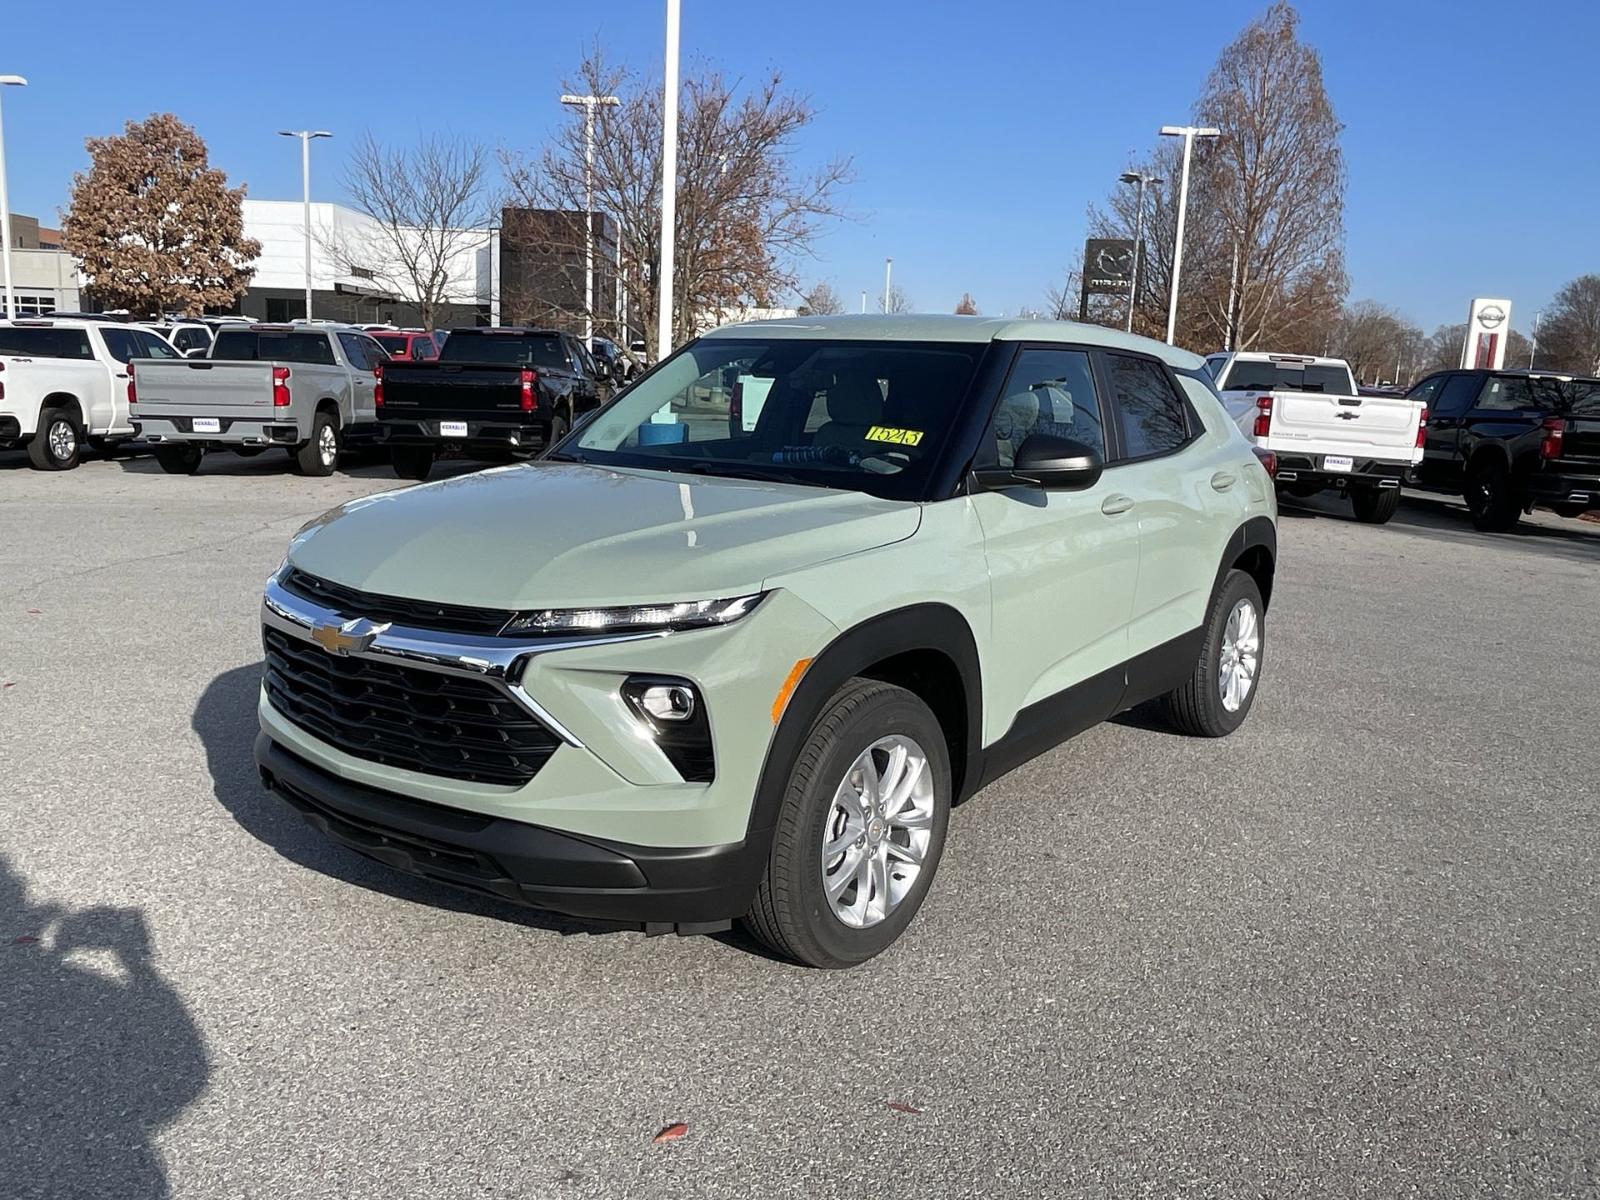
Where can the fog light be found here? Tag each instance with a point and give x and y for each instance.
(668, 702)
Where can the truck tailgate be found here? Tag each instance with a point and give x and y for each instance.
(1382, 427)
(202, 387)
(452, 391)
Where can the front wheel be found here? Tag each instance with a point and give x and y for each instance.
(412, 462)
(1375, 506)
(181, 459)
(319, 454)
(58, 444)
(1491, 499)
(1218, 695)
(860, 832)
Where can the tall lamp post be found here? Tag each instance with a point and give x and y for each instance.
(1188, 133)
(305, 136)
(1533, 347)
(588, 104)
(1142, 180)
(669, 184)
(888, 275)
(5, 201)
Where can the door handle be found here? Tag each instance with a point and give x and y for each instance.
(1223, 480)
(1112, 505)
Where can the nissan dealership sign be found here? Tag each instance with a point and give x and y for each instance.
(1488, 327)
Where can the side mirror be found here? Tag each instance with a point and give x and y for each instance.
(1045, 461)
(195, 352)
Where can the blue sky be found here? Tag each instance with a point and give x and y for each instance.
(980, 131)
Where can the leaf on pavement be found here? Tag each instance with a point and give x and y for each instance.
(26, 939)
(672, 1132)
(905, 1108)
(33, 612)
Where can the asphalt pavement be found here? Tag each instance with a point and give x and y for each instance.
(1349, 951)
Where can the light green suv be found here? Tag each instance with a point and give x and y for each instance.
(736, 646)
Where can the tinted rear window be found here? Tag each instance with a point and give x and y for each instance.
(508, 349)
(1289, 377)
(249, 345)
(394, 343)
(46, 343)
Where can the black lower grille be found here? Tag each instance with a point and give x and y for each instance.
(405, 717)
(422, 614)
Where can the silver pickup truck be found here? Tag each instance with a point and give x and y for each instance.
(310, 389)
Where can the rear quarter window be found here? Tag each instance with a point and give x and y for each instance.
(46, 343)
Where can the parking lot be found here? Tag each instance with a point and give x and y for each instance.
(1349, 951)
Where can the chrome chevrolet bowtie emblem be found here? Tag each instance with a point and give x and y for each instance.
(352, 637)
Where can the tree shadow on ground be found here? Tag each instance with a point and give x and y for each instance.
(98, 1052)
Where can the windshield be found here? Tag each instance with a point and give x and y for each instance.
(541, 350)
(869, 416)
(1290, 377)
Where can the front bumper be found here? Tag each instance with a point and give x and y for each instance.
(694, 890)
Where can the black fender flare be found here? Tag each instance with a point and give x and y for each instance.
(1257, 531)
(930, 626)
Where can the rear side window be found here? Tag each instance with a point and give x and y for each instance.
(1151, 416)
(122, 344)
(355, 350)
(191, 339)
(1456, 396)
(46, 343)
(1506, 393)
(394, 343)
(249, 345)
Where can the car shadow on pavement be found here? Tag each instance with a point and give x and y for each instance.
(98, 1054)
(225, 722)
(1447, 520)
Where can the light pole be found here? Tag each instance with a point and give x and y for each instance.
(588, 104)
(5, 201)
(888, 274)
(1533, 348)
(1188, 133)
(863, 299)
(305, 136)
(669, 185)
(1142, 180)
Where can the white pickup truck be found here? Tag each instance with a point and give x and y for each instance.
(1308, 412)
(64, 384)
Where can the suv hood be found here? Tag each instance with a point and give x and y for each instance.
(556, 535)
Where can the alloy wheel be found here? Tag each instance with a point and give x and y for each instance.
(875, 839)
(1240, 655)
(63, 439)
(328, 445)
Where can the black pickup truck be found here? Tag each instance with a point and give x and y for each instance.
(493, 393)
(1507, 440)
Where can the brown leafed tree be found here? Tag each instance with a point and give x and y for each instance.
(1379, 344)
(747, 213)
(968, 307)
(820, 301)
(156, 227)
(430, 206)
(1263, 258)
(1569, 332)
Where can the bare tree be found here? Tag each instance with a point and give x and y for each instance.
(820, 301)
(747, 214)
(1263, 246)
(1569, 334)
(1379, 344)
(899, 302)
(155, 225)
(968, 307)
(430, 206)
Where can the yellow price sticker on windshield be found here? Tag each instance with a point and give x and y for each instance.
(897, 437)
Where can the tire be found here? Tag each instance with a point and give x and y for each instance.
(319, 454)
(1491, 500)
(558, 430)
(1375, 506)
(412, 462)
(1198, 707)
(793, 913)
(58, 443)
(180, 460)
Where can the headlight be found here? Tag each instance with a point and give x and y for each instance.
(638, 618)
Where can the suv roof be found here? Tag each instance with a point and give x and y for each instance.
(923, 327)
